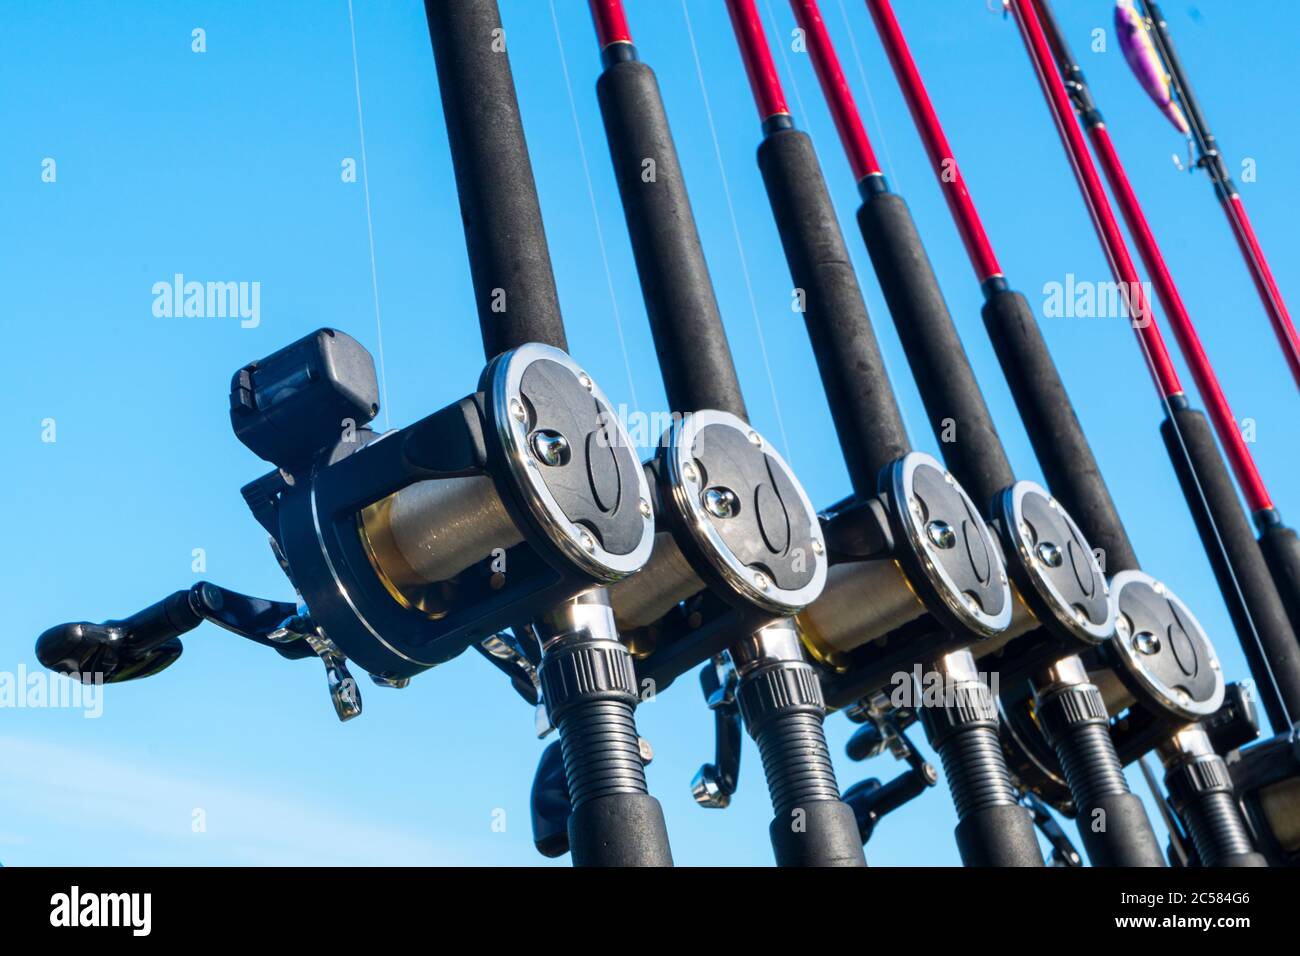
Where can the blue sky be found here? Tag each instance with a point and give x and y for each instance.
(225, 166)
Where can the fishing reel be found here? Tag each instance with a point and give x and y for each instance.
(1160, 669)
(407, 547)
(737, 546)
(1063, 604)
(1267, 777)
(915, 572)
(1158, 673)
(1161, 680)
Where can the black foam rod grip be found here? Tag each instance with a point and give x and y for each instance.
(862, 401)
(514, 286)
(1054, 430)
(1248, 589)
(953, 400)
(826, 837)
(690, 341)
(1281, 550)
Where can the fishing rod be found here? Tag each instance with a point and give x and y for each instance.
(586, 675)
(738, 540)
(961, 569)
(1162, 704)
(1252, 598)
(1050, 561)
(1147, 51)
(1196, 787)
(1210, 158)
(1066, 457)
(1202, 810)
(1278, 542)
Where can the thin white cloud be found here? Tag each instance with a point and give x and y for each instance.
(68, 796)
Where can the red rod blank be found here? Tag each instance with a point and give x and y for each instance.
(1161, 366)
(946, 168)
(1264, 282)
(763, 79)
(611, 22)
(862, 158)
(1216, 403)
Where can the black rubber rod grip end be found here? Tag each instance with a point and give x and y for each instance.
(690, 341)
(1121, 834)
(620, 829)
(863, 406)
(939, 364)
(1000, 835)
(824, 834)
(1248, 589)
(1059, 443)
(514, 285)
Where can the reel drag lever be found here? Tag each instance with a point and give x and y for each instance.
(870, 799)
(1063, 852)
(715, 782)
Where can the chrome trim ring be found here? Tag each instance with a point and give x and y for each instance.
(686, 496)
(949, 591)
(1073, 618)
(577, 543)
(1125, 642)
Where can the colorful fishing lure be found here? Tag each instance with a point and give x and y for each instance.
(1140, 52)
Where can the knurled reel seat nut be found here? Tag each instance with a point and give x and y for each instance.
(1063, 710)
(1194, 778)
(574, 674)
(777, 690)
(966, 705)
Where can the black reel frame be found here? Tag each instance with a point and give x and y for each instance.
(315, 523)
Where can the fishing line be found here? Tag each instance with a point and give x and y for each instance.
(1113, 256)
(370, 225)
(735, 229)
(595, 213)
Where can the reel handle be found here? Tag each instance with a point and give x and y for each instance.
(550, 804)
(137, 646)
(148, 641)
